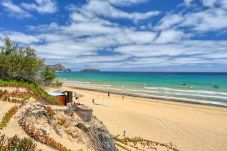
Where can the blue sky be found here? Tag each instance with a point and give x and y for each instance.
(121, 35)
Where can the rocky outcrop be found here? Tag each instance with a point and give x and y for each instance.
(84, 112)
(100, 137)
(63, 128)
(59, 67)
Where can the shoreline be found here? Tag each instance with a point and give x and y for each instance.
(142, 96)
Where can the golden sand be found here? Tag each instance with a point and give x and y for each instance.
(189, 127)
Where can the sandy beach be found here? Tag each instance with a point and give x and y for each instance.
(189, 127)
(113, 75)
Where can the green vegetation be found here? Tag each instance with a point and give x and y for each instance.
(15, 97)
(58, 84)
(16, 144)
(34, 90)
(8, 116)
(19, 67)
(20, 63)
(48, 75)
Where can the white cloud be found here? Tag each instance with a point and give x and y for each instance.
(209, 3)
(14, 10)
(126, 2)
(208, 20)
(140, 37)
(80, 17)
(215, 3)
(20, 37)
(192, 48)
(43, 28)
(105, 9)
(99, 37)
(66, 48)
(100, 59)
(90, 28)
(169, 21)
(150, 50)
(212, 18)
(187, 2)
(168, 36)
(41, 6)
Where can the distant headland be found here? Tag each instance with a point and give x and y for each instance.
(59, 67)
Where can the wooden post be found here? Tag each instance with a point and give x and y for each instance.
(124, 133)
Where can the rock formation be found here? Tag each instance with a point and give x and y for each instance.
(63, 129)
(59, 67)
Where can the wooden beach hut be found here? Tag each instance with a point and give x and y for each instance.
(62, 97)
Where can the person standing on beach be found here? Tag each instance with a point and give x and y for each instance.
(108, 94)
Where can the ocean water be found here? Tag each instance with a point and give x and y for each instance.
(207, 88)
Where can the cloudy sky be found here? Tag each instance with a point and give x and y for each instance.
(121, 35)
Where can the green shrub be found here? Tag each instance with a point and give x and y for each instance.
(48, 75)
(58, 84)
(18, 62)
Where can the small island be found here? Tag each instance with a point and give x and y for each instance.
(90, 70)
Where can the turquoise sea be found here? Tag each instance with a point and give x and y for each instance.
(207, 88)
